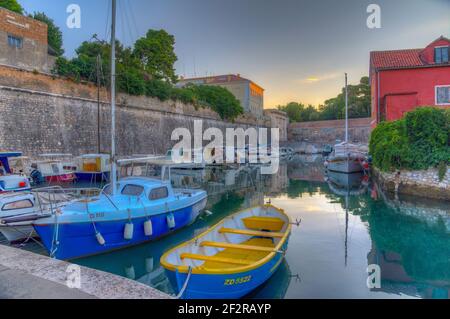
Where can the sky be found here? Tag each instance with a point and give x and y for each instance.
(297, 50)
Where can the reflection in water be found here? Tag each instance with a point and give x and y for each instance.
(347, 225)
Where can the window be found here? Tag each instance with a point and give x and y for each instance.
(132, 190)
(21, 204)
(15, 42)
(443, 95)
(159, 193)
(441, 54)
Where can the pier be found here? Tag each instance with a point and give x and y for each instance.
(26, 275)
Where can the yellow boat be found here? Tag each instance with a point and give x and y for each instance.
(232, 258)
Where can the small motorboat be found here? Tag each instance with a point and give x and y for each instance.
(53, 171)
(9, 180)
(140, 210)
(232, 258)
(93, 168)
(17, 212)
(346, 158)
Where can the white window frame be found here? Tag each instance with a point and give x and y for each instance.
(440, 47)
(436, 94)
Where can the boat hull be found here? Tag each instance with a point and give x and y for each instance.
(92, 177)
(225, 286)
(17, 233)
(63, 178)
(76, 240)
(345, 165)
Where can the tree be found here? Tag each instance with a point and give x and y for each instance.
(156, 53)
(334, 109)
(12, 5)
(55, 39)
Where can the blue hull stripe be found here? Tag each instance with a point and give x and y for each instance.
(79, 240)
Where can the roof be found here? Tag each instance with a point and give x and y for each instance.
(396, 58)
(399, 59)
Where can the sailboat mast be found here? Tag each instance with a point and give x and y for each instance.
(113, 99)
(346, 109)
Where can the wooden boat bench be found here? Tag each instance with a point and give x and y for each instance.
(237, 246)
(216, 259)
(266, 223)
(250, 233)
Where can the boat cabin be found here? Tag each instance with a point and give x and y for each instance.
(93, 163)
(10, 182)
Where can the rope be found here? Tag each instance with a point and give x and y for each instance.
(183, 289)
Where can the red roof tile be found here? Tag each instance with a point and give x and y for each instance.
(396, 59)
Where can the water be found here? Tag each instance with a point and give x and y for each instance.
(342, 232)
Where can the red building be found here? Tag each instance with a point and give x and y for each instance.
(402, 80)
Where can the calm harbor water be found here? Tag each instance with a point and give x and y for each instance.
(344, 229)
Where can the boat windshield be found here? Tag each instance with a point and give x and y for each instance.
(132, 190)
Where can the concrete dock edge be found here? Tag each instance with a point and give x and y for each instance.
(28, 275)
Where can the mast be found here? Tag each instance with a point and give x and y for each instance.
(98, 104)
(113, 99)
(346, 109)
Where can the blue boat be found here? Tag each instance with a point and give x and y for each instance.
(142, 209)
(231, 259)
(9, 181)
(93, 168)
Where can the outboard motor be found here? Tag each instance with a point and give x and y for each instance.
(36, 177)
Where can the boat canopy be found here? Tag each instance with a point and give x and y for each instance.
(4, 156)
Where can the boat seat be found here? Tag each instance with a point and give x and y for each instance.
(267, 223)
(216, 259)
(237, 246)
(250, 233)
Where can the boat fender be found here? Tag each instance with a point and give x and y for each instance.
(100, 239)
(171, 221)
(148, 228)
(128, 231)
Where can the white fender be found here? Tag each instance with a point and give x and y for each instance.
(171, 221)
(128, 231)
(148, 228)
(100, 239)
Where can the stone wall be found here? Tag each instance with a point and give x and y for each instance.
(424, 183)
(44, 114)
(328, 132)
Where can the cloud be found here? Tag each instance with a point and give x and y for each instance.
(315, 79)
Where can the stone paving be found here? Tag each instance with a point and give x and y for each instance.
(27, 275)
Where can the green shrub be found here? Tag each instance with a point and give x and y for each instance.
(219, 100)
(418, 141)
(158, 88)
(442, 170)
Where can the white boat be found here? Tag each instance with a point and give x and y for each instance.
(346, 158)
(17, 211)
(10, 181)
(93, 167)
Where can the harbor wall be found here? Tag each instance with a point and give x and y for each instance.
(47, 114)
(423, 183)
(327, 132)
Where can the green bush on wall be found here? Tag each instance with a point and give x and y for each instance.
(418, 141)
